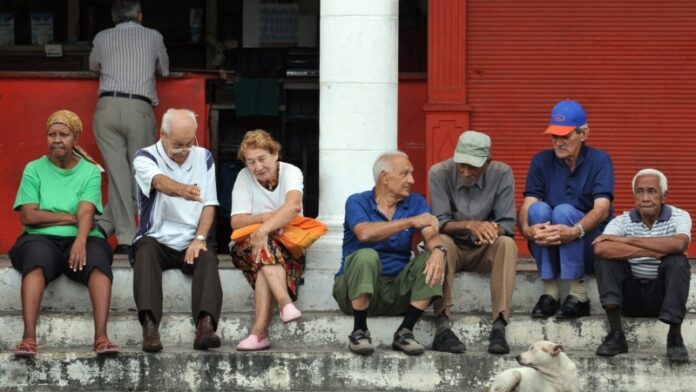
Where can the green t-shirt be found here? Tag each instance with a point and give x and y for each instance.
(59, 190)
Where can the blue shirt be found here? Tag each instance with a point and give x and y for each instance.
(549, 179)
(395, 251)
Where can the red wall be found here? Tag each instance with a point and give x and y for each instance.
(26, 101)
(413, 94)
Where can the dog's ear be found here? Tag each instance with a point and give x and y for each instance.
(557, 349)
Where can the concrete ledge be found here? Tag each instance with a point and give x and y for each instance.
(320, 370)
(330, 331)
(471, 292)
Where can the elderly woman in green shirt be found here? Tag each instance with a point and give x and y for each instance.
(57, 199)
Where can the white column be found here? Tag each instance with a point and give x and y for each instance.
(358, 82)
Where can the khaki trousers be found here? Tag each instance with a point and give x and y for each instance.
(498, 259)
(122, 126)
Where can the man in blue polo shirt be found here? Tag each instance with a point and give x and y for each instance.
(567, 204)
(376, 276)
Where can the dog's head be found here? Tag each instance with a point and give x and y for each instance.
(540, 354)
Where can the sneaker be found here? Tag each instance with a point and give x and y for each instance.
(676, 351)
(497, 343)
(447, 341)
(573, 308)
(404, 341)
(614, 343)
(290, 313)
(545, 307)
(359, 342)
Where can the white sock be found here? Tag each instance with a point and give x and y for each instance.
(578, 289)
(551, 288)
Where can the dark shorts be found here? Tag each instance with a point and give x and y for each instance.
(52, 254)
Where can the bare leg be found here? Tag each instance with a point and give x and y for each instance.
(361, 303)
(277, 282)
(264, 306)
(422, 304)
(100, 293)
(33, 286)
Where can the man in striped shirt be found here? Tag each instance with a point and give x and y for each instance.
(641, 267)
(126, 58)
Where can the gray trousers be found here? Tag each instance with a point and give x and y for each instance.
(122, 126)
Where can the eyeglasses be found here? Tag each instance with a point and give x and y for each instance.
(180, 150)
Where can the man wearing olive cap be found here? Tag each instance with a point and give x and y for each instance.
(473, 198)
(567, 204)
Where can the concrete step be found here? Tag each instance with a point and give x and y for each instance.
(180, 369)
(472, 291)
(329, 330)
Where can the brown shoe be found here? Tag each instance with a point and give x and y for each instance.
(205, 334)
(151, 337)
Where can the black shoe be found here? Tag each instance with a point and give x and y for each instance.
(545, 307)
(122, 249)
(614, 343)
(497, 343)
(573, 308)
(676, 351)
(447, 341)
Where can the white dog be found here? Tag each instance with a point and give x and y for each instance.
(546, 368)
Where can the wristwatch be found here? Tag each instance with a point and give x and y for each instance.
(441, 248)
(200, 237)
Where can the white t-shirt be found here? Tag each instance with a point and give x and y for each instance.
(172, 220)
(250, 197)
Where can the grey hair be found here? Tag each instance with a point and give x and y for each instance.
(384, 163)
(581, 128)
(125, 11)
(651, 172)
(168, 117)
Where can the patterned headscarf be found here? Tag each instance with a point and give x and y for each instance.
(73, 122)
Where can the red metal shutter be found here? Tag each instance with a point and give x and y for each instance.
(631, 64)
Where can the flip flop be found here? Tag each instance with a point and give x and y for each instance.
(102, 346)
(27, 348)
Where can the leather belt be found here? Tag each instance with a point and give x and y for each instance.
(124, 95)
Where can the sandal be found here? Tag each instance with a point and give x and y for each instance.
(27, 348)
(103, 346)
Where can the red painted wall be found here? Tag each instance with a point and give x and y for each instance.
(26, 101)
(413, 94)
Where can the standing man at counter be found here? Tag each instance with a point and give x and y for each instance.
(126, 58)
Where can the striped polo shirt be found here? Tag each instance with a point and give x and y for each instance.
(672, 221)
(126, 58)
(172, 220)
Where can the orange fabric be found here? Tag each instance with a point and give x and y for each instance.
(297, 236)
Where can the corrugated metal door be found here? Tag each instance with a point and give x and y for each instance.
(632, 65)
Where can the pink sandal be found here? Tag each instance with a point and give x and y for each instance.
(26, 348)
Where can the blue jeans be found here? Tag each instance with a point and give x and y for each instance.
(571, 260)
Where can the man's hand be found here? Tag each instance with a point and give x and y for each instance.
(78, 254)
(435, 269)
(544, 234)
(485, 232)
(608, 237)
(424, 220)
(191, 192)
(193, 250)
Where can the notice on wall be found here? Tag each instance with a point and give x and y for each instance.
(53, 50)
